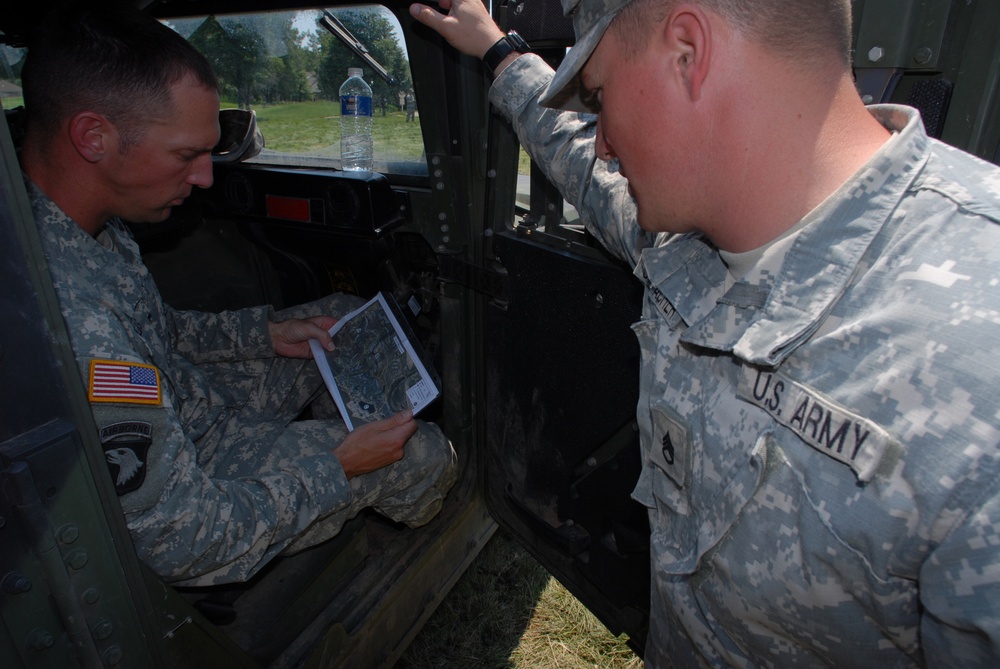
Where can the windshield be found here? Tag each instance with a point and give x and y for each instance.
(288, 69)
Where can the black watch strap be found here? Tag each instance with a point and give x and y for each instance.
(505, 46)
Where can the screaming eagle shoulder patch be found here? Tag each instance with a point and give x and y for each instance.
(123, 382)
(126, 446)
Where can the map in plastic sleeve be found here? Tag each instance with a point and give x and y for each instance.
(375, 369)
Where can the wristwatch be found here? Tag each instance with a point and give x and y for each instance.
(505, 46)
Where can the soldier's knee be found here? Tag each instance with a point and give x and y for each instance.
(437, 457)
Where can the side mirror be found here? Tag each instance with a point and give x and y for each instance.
(240, 139)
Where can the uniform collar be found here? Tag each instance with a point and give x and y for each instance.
(59, 225)
(764, 323)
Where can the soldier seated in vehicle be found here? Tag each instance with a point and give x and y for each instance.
(196, 411)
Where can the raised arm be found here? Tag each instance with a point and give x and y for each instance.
(560, 142)
(467, 26)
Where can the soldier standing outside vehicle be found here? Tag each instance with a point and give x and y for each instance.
(196, 411)
(410, 102)
(818, 415)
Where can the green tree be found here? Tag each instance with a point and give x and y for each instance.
(11, 62)
(247, 62)
(236, 51)
(375, 31)
(295, 65)
(258, 57)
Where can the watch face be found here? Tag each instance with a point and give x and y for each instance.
(518, 42)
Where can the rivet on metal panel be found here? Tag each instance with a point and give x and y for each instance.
(78, 559)
(69, 533)
(103, 629)
(14, 583)
(40, 639)
(112, 656)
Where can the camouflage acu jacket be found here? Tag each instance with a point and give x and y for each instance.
(819, 434)
(170, 391)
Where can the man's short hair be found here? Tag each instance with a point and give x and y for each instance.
(106, 57)
(800, 30)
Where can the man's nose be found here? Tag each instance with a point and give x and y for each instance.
(201, 173)
(601, 145)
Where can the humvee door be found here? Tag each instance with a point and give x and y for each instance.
(561, 372)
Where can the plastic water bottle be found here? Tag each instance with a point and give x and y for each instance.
(356, 122)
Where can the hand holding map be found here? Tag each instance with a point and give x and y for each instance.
(374, 370)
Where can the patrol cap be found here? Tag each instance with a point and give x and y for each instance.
(591, 19)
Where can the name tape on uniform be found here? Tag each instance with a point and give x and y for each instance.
(820, 422)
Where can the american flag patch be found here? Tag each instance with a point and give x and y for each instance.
(128, 382)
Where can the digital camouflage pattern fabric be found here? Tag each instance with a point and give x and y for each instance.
(819, 430)
(216, 477)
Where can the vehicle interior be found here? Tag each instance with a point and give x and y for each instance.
(524, 318)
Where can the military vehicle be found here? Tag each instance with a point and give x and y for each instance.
(524, 316)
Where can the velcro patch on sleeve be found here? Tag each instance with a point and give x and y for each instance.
(123, 382)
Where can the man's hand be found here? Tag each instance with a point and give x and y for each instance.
(375, 445)
(468, 26)
(291, 338)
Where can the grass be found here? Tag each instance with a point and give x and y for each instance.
(314, 128)
(507, 612)
(300, 127)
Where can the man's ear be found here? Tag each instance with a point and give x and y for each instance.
(92, 135)
(689, 33)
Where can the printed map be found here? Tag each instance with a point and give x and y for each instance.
(374, 371)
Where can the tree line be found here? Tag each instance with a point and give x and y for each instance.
(265, 58)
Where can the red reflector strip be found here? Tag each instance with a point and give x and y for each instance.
(288, 208)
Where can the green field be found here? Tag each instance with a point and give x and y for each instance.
(314, 128)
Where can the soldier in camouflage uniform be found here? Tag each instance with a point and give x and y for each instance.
(196, 411)
(818, 411)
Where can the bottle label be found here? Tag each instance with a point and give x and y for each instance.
(355, 105)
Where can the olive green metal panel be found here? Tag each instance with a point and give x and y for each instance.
(941, 57)
(69, 576)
